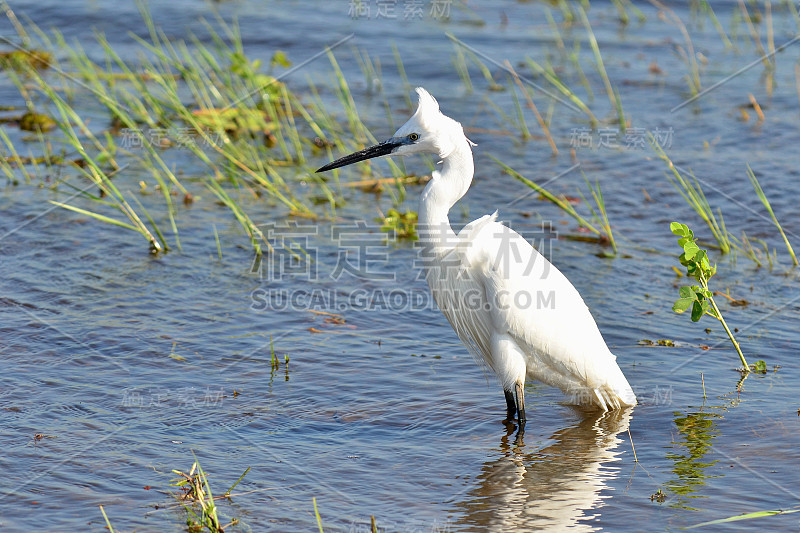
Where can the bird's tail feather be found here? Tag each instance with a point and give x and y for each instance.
(608, 399)
(615, 393)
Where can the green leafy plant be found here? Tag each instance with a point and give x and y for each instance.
(699, 297)
(403, 224)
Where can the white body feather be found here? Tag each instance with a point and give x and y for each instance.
(520, 316)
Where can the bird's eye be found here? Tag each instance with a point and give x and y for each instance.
(413, 137)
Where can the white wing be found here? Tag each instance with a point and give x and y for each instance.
(507, 288)
(462, 298)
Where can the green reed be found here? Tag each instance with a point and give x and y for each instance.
(763, 197)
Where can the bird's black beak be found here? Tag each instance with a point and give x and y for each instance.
(384, 148)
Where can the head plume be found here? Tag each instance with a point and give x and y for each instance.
(444, 130)
(428, 106)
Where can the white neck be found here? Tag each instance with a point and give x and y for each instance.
(441, 193)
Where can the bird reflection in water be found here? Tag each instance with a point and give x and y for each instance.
(553, 488)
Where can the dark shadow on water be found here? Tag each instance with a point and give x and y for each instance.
(549, 486)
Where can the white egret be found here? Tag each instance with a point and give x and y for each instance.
(513, 310)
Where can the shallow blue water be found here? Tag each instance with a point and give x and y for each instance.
(127, 363)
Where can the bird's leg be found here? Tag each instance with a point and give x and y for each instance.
(520, 389)
(511, 405)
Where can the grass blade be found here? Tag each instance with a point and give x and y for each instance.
(768, 206)
(746, 516)
(316, 513)
(559, 201)
(105, 517)
(98, 216)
